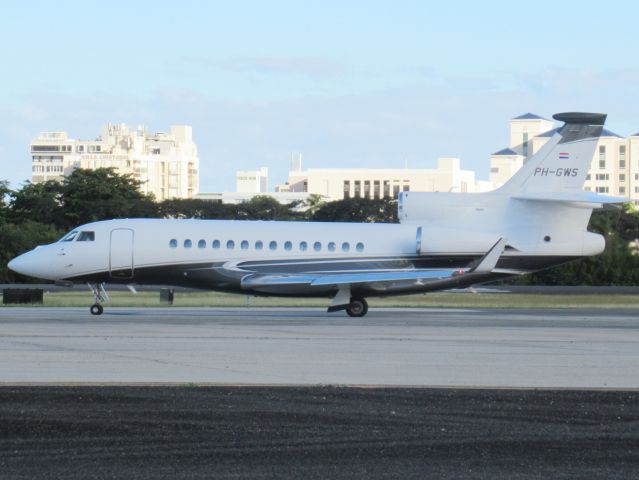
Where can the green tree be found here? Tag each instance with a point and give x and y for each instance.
(101, 194)
(263, 207)
(38, 202)
(5, 192)
(195, 208)
(17, 239)
(357, 210)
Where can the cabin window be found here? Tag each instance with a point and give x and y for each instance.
(230, 244)
(173, 243)
(303, 246)
(86, 237)
(244, 245)
(288, 245)
(272, 245)
(331, 246)
(216, 244)
(317, 246)
(201, 244)
(259, 245)
(359, 247)
(188, 243)
(69, 236)
(346, 247)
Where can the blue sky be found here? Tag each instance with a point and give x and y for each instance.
(345, 83)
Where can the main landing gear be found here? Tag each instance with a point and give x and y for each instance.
(99, 295)
(357, 308)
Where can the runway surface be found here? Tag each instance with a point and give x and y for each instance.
(419, 347)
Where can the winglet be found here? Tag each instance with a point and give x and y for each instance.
(489, 261)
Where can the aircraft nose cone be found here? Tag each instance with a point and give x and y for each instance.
(16, 264)
(26, 264)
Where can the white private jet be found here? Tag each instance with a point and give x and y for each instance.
(536, 220)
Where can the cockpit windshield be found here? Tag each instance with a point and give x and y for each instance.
(69, 236)
(86, 237)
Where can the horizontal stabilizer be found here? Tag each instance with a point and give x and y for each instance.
(571, 197)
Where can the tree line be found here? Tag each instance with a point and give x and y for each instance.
(42, 213)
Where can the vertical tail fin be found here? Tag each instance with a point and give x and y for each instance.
(563, 163)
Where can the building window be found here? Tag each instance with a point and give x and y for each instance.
(588, 177)
(331, 246)
(524, 144)
(622, 190)
(288, 245)
(201, 244)
(406, 188)
(173, 243)
(602, 176)
(303, 246)
(602, 156)
(367, 189)
(230, 245)
(346, 247)
(359, 247)
(216, 244)
(376, 190)
(347, 189)
(244, 245)
(602, 189)
(386, 188)
(358, 189)
(259, 245)
(317, 246)
(272, 245)
(622, 177)
(395, 191)
(188, 243)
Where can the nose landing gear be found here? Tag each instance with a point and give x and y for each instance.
(96, 309)
(99, 295)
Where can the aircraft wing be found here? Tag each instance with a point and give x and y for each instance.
(319, 279)
(444, 278)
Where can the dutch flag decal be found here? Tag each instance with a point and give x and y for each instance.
(564, 155)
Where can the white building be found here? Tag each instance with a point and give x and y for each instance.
(614, 169)
(340, 183)
(166, 163)
(251, 181)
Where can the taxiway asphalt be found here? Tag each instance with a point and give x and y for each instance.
(285, 346)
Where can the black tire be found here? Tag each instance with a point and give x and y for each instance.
(357, 308)
(96, 309)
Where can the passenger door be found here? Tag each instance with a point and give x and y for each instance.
(121, 253)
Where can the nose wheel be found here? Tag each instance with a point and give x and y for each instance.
(99, 295)
(96, 309)
(357, 308)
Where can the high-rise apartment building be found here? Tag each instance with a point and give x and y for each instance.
(166, 163)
